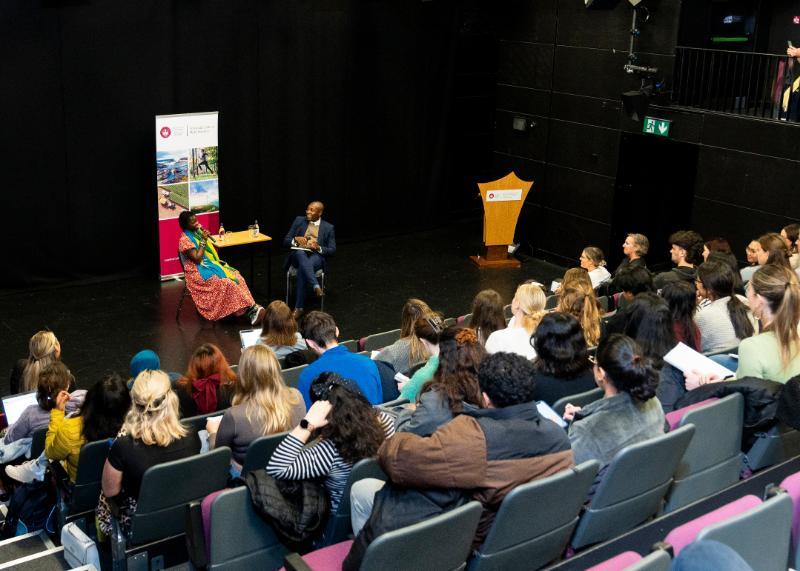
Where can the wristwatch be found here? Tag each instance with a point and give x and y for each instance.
(304, 424)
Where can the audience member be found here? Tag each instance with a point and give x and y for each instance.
(725, 319)
(262, 405)
(148, 359)
(562, 366)
(322, 336)
(594, 262)
(574, 277)
(630, 282)
(635, 249)
(582, 303)
(489, 451)
(771, 249)
(407, 351)
(151, 434)
(427, 331)
(208, 383)
(349, 430)
(487, 314)
(790, 235)
(528, 309)
(629, 411)
(716, 244)
(686, 253)
(100, 417)
(681, 297)
(454, 386)
(43, 349)
(733, 264)
(752, 260)
(279, 330)
(650, 325)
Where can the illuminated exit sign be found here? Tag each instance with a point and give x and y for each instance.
(659, 127)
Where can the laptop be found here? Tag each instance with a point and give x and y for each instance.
(249, 337)
(15, 404)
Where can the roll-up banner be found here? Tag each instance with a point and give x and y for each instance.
(187, 178)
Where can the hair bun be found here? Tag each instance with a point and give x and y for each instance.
(466, 335)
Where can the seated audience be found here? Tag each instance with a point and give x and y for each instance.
(574, 277)
(208, 383)
(771, 249)
(582, 303)
(454, 386)
(630, 282)
(279, 330)
(262, 405)
(594, 262)
(774, 354)
(487, 314)
(489, 451)
(720, 246)
(322, 336)
(428, 332)
(635, 249)
(790, 235)
(562, 366)
(528, 309)
(100, 417)
(686, 253)
(629, 411)
(681, 298)
(148, 359)
(407, 351)
(752, 261)
(650, 325)
(151, 434)
(345, 427)
(43, 349)
(725, 319)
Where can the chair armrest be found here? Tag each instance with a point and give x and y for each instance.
(119, 542)
(294, 562)
(195, 536)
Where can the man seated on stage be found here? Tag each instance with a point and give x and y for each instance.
(318, 241)
(321, 335)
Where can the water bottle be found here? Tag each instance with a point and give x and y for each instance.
(221, 232)
(255, 229)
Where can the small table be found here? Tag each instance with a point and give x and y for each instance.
(246, 238)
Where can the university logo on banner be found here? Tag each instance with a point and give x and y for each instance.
(187, 178)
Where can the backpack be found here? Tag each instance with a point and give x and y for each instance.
(30, 508)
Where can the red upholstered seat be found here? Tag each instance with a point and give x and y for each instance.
(328, 558)
(674, 417)
(205, 510)
(792, 486)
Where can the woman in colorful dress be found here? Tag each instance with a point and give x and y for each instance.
(217, 289)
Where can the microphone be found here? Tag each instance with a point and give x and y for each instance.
(206, 234)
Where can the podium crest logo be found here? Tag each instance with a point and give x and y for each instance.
(165, 132)
(491, 195)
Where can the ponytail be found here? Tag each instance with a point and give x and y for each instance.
(583, 304)
(627, 368)
(737, 311)
(778, 285)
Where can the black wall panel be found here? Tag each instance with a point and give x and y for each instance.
(523, 100)
(530, 144)
(525, 65)
(583, 147)
(584, 194)
(769, 138)
(589, 110)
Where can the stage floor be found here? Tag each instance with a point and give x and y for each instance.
(102, 325)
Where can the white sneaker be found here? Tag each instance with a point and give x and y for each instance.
(26, 472)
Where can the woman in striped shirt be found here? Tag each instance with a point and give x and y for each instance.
(346, 429)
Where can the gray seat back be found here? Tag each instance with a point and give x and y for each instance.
(773, 447)
(580, 399)
(633, 487)
(90, 472)
(167, 489)
(760, 535)
(260, 451)
(658, 560)
(442, 543)
(338, 527)
(351, 344)
(198, 423)
(239, 538)
(535, 521)
(713, 459)
(381, 340)
(551, 302)
(292, 376)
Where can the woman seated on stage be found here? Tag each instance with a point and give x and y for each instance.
(217, 289)
(208, 383)
(279, 331)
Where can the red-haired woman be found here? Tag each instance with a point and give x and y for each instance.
(208, 383)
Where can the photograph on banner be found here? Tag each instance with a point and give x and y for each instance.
(204, 196)
(204, 163)
(172, 199)
(172, 166)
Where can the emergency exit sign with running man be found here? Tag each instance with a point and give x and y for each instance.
(659, 127)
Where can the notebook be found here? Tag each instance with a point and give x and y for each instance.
(15, 404)
(249, 337)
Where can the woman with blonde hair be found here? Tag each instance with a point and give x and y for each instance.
(151, 434)
(408, 351)
(574, 277)
(43, 349)
(581, 302)
(262, 405)
(279, 330)
(528, 309)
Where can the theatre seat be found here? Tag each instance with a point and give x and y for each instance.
(260, 451)
(378, 341)
(658, 560)
(792, 486)
(579, 399)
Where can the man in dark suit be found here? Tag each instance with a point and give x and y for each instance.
(318, 241)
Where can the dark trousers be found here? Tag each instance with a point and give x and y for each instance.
(307, 263)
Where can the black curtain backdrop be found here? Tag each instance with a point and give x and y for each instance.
(340, 100)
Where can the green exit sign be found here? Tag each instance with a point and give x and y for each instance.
(655, 126)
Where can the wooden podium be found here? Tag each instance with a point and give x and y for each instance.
(502, 203)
